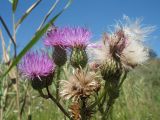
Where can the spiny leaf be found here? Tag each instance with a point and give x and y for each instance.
(14, 5)
(34, 40)
(29, 10)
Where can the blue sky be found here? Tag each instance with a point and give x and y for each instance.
(97, 15)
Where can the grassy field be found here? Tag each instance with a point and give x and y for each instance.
(139, 98)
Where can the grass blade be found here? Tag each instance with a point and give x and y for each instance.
(4, 49)
(9, 34)
(29, 10)
(14, 5)
(48, 14)
(11, 1)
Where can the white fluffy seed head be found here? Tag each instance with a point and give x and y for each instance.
(135, 30)
(134, 52)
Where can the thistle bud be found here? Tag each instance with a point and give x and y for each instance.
(42, 82)
(111, 70)
(113, 93)
(78, 58)
(59, 55)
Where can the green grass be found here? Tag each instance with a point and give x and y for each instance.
(139, 98)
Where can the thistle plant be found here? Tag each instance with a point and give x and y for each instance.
(88, 88)
(91, 83)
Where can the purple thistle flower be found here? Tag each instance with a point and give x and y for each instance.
(77, 36)
(35, 65)
(55, 37)
(68, 36)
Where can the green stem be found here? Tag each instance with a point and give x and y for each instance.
(97, 101)
(100, 107)
(2, 98)
(122, 78)
(57, 103)
(107, 111)
(29, 115)
(113, 98)
(105, 94)
(57, 85)
(83, 110)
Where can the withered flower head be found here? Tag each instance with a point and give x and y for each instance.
(80, 85)
(125, 45)
(116, 43)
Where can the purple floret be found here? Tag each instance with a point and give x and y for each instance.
(55, 37)
(36, 64)
(77, 36)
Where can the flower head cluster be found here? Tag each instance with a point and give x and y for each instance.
(81, 85)
(35, 64)
(76, 38)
